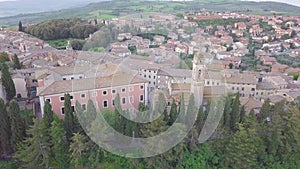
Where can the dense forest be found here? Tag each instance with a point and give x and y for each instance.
(62, 29)
(269, 139)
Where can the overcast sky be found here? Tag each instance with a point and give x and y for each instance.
(293, 2)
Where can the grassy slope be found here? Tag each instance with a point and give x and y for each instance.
(114, 8)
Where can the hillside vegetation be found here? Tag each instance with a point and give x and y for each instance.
(62, 29)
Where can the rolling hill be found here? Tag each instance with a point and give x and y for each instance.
(109, 9)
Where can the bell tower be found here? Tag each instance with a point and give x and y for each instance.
(198, 78)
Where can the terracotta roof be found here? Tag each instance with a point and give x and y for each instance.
(118, 79)
(250, 103)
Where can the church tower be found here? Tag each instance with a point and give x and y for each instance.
(198, 76)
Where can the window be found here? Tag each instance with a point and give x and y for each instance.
(123, 100)
(207, 82)
(71, 97)
(145, 76)
(130, 88)
(83, 107)
(243, 89)
(80, 77)
(237, 88)
(141, 97)
(123, 90)
(94, 94)
(253, 89)
(131, 99)
(62, 98)
(113, 102)
(113, 91)
(49, 100)
(153, 77)
(149, 76)
(64, 78)
(105, 103)
(142, 87)
(82, 96)
(104, 92)
(72, 78)
(232, 88)
(63, 110)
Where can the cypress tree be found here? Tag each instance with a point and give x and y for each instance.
(5, 131)
(17, 124)
(190, 113)
(69, 118)
(265, 111)
(60, 144)
(91, 113)
(242, 114)
(20, 26)
(28, 119)
(235, 113)
(17, 64)
(33, 152)
(173, 113)
(118, 117)
(182, 112)
(200, 120)
(8, 83)
(48, 114)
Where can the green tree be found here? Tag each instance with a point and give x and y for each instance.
(235, 113)
(17, 124)
(4, 57)
(69, 120)
(48, 114)
(173, 113)
(8, 83)
(182, 112)
(5, 131)
(20, 26)
(201, 157)
(231, 65)
(17, 64)
(32, 152)
(28, 119)
(200, 120)
(60, 145)
(265, 111)
(243, 149)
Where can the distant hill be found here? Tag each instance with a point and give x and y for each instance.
(109, 9)
(16, 7)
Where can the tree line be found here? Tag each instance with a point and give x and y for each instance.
(269, 139)
(62, 29)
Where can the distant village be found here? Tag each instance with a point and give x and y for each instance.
(191, 57)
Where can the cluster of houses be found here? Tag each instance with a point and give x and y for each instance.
(136, 76)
